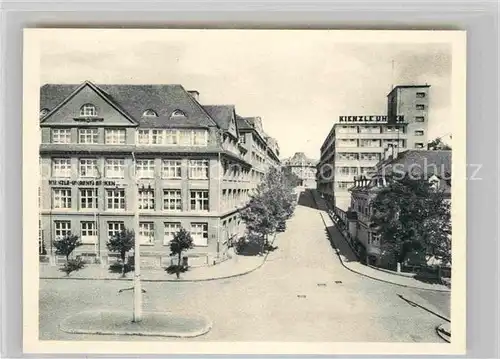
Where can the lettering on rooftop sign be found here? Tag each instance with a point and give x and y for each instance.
(371, 118)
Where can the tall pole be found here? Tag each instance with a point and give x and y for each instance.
(137, 246)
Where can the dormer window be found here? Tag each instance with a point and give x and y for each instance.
(88, 110)
(149, 113)
(178, 113)
(44, 112)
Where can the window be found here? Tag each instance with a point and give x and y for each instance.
(419, 119)
(171, 137)
(353, 170)
(44, 112)
(88, 167)
(369, 157)
(369, 143)
(146, 233)
(115, 136)
(241, 139)
(115, 228)
(419, 132)
(420, 107)
(344, 170)
(88, 232)
(342, 185)
(143, 137)
(61, 167)
(88, 110)
(145, 168)
(375, 239)
(199, 200)
(61, 198)
(61, 135)
(420, 94)
(171, 169)
(419, 145)
(88, 198)
(199, 233)
(200, 137)
(171, 228)
(172, 200)
(198, 169)
(185, 137)
(87, 135)
(146, 199)
(177, 113)
(115, 168)
(156, 137)
(115, 199)
(149, 113)
(62, 229)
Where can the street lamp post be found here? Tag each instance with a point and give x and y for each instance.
(137, 246)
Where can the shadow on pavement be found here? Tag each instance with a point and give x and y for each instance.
(306, 199)
(339, 243)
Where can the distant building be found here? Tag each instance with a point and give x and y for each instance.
(108, 151)
(433, 166)
(303, 168)
(356, 144)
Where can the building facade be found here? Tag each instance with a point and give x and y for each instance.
(356, 144)
(302, 168)
(433, 166)
(110, 151)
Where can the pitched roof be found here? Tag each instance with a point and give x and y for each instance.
(300, 159)
(420, 161)
(135, 99)
(242, 123)
(221, 114)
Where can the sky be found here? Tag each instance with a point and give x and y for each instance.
(298, 82)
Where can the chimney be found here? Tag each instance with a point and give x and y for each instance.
(195, 94)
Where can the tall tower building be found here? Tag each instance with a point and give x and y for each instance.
(412, 103)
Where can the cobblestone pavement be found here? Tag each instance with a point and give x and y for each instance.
(302, 293)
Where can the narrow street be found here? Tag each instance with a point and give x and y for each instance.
(302, 293)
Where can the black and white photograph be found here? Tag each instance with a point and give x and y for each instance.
(244, 191)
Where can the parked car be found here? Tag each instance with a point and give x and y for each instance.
(281, 226)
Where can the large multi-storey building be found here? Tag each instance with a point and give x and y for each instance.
(302, 168)
(356, 144)
(108, 151)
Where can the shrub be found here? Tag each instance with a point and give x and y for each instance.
(73, 265)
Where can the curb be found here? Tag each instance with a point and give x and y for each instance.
(443, 333)
(368, 276)
(173, 334)
(264, 259)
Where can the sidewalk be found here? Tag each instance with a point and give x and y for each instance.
(349, 258)
(238, 265)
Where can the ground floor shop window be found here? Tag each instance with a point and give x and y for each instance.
(199, 233)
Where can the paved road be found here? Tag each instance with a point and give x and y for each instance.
(303, 293)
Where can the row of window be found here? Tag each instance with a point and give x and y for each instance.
(117, 136)
(371, 129)
(373, 143)
(353, 170)
(89, 110)
(115, 168)
(115, 199)
(88, 231)
(234, 197)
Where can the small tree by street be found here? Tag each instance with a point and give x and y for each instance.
(181, 242)
(412, 217)
(272, 203)
(122, 243)
(64, 247)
